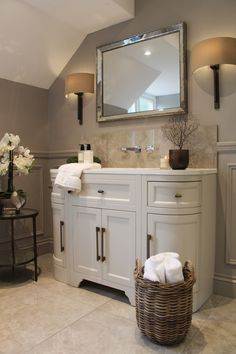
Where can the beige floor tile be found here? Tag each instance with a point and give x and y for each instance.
(30, 324)
(216, 337)
(49, 317)
(100, 333)
(119, 308)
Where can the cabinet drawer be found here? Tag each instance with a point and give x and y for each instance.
(174, 194)
(108, 191)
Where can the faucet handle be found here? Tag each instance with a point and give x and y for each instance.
(149, 148)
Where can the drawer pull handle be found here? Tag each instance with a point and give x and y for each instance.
(103, 257)
(178, 195)
(97, 256)
(100, 191)
(62, 248)
(149, 238)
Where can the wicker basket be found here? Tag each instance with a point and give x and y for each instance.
(164, 311)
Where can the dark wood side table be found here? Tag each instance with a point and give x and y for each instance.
(24, 214)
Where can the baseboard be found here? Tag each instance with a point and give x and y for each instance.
(225, 285)
(45, 247)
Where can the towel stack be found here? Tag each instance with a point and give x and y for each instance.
(69, 175)
(164, 267)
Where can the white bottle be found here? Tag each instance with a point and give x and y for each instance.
(81, 154)
(88, 154)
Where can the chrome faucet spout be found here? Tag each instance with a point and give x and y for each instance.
(136, 148)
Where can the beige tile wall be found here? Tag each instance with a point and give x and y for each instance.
(107, 147)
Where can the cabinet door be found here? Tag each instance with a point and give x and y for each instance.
(59, 241)
(118, 246)
(86, 237)
(174, 233)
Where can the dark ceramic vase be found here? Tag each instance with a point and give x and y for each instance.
(178, 159)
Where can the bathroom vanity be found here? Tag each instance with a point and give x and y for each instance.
(126, 213)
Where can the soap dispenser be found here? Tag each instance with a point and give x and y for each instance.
(88, 154)
(81, 154)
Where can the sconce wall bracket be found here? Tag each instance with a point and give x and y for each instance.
(80, 106)
(215, 69)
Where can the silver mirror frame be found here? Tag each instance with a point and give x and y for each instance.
(182, 29)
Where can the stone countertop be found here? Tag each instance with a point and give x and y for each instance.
(149, 171)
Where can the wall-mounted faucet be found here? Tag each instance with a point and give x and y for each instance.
(136, 148)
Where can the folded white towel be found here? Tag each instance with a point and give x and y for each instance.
(69, 175)
(173, 270)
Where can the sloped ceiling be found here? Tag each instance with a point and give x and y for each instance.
(38, 37)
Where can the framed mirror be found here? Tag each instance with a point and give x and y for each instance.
(143, 76)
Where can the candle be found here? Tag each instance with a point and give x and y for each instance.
(164, 162)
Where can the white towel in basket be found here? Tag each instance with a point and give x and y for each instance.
(164, 267)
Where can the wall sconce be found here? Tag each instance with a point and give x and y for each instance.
(79, 84)
(212, 52)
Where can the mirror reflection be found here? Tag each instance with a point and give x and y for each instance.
(142, 75)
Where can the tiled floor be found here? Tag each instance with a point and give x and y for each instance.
(49, 317)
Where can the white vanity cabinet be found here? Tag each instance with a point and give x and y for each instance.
(124, 214)
(59, 247)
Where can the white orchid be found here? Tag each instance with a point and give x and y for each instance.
(22, 158)
(9, 142)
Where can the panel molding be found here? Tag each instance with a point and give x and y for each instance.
(225, 278)
(55, 154)
(231, 169)
(226, 146)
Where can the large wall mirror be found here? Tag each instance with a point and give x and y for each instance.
(144, 75)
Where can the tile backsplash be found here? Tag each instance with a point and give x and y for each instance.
(107, 147)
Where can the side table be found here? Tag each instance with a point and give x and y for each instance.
(24, 214)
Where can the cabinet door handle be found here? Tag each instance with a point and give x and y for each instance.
(97, 256)
(149, 237)
(103, 257)
(178, 195)
(100, 191)
(61, 236)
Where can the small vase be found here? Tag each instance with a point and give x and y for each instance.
(178, 159)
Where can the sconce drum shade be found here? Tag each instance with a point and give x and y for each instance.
(212, 51)
(79, 82)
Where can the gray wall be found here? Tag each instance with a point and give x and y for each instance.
(24, 111)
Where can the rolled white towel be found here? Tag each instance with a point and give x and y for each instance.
(149, 271)
(173, 270)
(155, 267)
(170, 254)
(157, 259)
(160, 257)
(160, 272)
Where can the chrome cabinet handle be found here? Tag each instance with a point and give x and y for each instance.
(62, 248)
(103, 257)
(101, 191)
(149, 238)
(97, 256)
(178, 195)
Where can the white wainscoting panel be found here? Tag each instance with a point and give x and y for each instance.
(230, 214)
